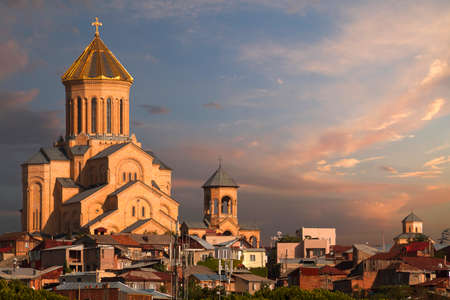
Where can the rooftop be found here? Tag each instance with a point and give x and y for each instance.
(220, 179)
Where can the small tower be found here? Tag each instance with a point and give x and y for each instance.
(412, 224)
(220, 198)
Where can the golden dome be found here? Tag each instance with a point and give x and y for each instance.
(97, 62)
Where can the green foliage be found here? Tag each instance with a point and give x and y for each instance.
(283, 293)
(263, 272)
(393, 292)
(159, 267)
(213, 263)
(289, 239)
(16, 290)
(66, 268)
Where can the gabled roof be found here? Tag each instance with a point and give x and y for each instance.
(97, 62)
(135, 225)
(83, 195)
(252, 278)
(110, 150)
(36, 159)
(220, 179)
(45, 155)
(426, 263)
(196, 225)
(202, 242)
(152, 239)
(67, 182)
(79, 149)
(412, 218)
(157, 161)
(99, 218)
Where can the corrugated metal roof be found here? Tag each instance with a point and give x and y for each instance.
(202, 242)
(220, 179)
(96, 285)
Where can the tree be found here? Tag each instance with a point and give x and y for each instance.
(16, 290)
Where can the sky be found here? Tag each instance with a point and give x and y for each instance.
(326, 113)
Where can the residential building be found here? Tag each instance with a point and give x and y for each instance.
(94, 290)
(310, 233)
(70, 255)
(310, 278)
(33, 278)
(250, 283)
(254, 257)
(17, 243)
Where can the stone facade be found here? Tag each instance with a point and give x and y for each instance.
(97, 176)
(220, 211)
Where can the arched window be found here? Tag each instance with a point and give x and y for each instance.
(225, 204)
(143, 211)
(108, 115)
(133, 211)
(135, 176)
(129, 176)
(36, 200)
(121, 116)
(94, 115)
(124, 176)
(80, 114)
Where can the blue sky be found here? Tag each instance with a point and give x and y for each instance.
(327, 113)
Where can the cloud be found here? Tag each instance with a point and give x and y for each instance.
(437, 161)
(437, 68)
(213, 105)
(13, 58)
(438, 148)
(346, 163)
(19, 124)
(154, 109)
(422, 174)
(389, 169)
(322, 162)
(280, 81)
(150, 58)
(433, 109)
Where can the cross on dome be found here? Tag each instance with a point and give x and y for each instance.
(96, 24)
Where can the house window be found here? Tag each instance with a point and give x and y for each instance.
(103, 253)
(133, 211)
(252, 257)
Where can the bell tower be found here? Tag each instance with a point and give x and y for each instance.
(97, 94)
(220, 198)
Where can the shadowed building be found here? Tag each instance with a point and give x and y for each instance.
(97, 178)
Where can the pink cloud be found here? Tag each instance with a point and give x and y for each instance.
(13, 58)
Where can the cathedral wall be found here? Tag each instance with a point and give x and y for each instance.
(164, 180)
(35, 195)
(50, 217)
(216, 209)
(101, 90)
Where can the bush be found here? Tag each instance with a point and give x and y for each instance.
(259, 271)
(16, 290)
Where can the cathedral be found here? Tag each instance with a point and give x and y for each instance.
(97, 178)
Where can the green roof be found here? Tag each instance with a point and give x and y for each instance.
(220, 179)
(412, 218)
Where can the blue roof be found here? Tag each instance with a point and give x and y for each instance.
(210, 277)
